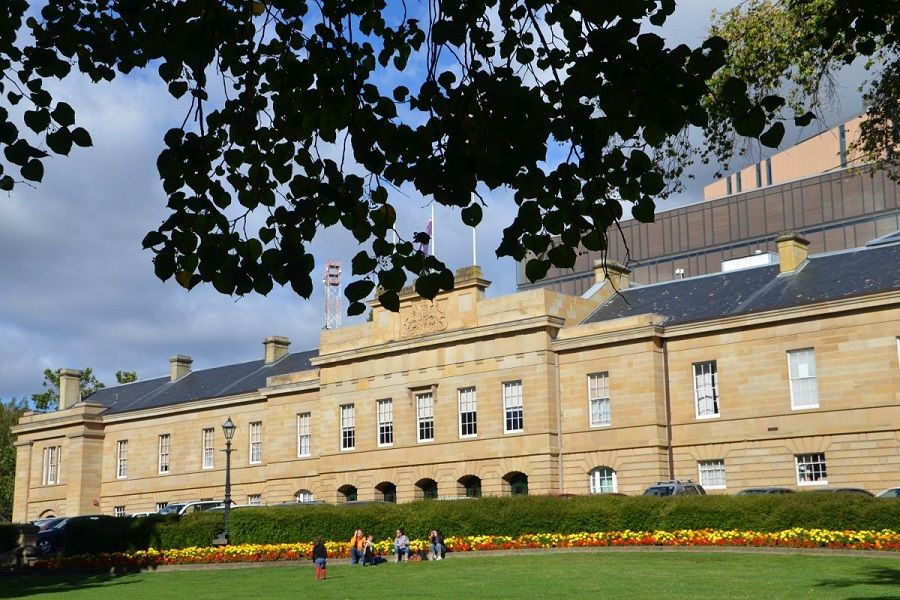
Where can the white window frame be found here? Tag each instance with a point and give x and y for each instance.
(467, 402)
(603, 480)
(165, 450)
(304, 435)
(161, 505)
(348, 427)
(121, 459)
(384, 416)
(304, 496)
(208, 448)
(51, 470)
(802, 464)
(711, 474)
(513, 403)
(425, 417)
(599, 409)
(706, 389)
(255, 437)
(119, 511)
(803, 375)
(254, 500)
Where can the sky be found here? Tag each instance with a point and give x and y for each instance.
(77, 290)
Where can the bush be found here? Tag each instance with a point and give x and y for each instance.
(9, 536)
(497, 516)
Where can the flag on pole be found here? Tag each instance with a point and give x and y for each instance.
(428, 248)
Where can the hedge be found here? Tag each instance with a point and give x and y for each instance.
(512, 516)
(9, 536)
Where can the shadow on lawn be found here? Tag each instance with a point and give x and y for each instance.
(881, 576)
(18, 586)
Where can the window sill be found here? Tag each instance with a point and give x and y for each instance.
(705, 417)
(469, 437)
(600, 425)
(812, 483)
(810, 407)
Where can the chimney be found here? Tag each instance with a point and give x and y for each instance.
(180, 366)
(792, 251)
(615, 272)
(276, 347)
(69, 388)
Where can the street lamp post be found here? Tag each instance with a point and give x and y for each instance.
(228, 429)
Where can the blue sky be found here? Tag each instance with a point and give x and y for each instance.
(77, 290)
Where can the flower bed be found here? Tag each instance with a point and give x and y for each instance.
(792, 538)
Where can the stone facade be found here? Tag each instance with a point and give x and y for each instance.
(465, 344)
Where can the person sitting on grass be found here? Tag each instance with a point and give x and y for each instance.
(368, 551)
(437, 544)
(401, 545)
(357, 543)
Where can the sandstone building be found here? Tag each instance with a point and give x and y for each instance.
(784, 373)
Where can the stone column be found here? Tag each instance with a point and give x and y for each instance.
(83, 472)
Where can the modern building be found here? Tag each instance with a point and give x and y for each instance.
(818, 188)
(783, 373)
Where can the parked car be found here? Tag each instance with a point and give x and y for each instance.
(768, 489)
(675, 487)
(844, 490)
(893, 492)
(142, 514)
(47, 523)
(53, 539)
(183, 508)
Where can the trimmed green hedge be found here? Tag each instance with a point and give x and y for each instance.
(9, 536)
(499, 516)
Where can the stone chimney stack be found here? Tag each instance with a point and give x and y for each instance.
(792, 251)
(180, 366)
(69, 388)
(276, 347)
(616, 273)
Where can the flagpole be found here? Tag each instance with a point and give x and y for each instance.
(432, 228)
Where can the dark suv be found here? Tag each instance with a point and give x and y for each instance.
(676, 487)
(53, 539)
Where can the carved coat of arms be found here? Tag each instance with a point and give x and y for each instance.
(423, 317)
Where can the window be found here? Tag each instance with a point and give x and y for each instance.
(164, 445)
(768, 171)
(728, 185)
(209, 448)
(348, 427)
(811, 469)
(468, 417)
(161, 505)
(304, 496)
(122, 459)
(513, 412)
(256, 442)
(759, 175)
(119, 511)
(425, 416)
(385, 414)
(598, 398)
(706, 389)
(603, 481)
(254, 499)
(304, 434)
(737, 182)
(51, 465)
(802, 374)
(712, 474)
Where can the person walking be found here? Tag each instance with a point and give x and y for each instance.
(401, 545)
(320, 557)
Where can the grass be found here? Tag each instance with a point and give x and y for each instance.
(644, 575)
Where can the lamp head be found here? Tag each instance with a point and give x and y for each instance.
(228, 428)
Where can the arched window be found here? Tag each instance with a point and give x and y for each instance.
(303, 496)
(387, 491)
(427, 489)
(603, 481)
(471, 486)
(517, 483)
(347, 493)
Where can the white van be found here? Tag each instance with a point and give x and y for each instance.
(183, 508)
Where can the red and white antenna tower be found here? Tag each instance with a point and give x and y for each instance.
(332, 281)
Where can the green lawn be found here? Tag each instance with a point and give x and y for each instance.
(644, 575)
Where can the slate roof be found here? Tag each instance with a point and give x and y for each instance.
(824, 277)
(227, 380)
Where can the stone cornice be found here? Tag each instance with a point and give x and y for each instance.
(308, 385)
(445, 337)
